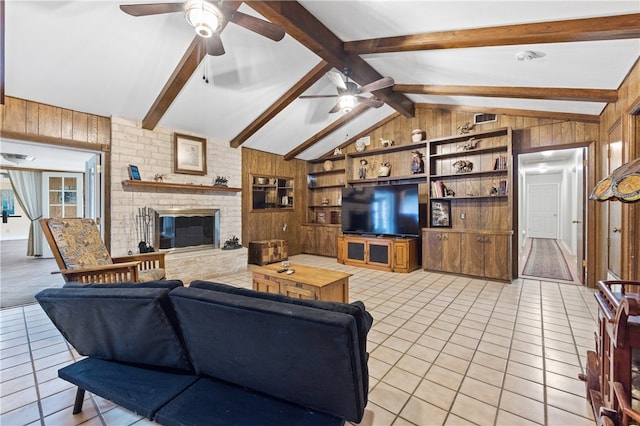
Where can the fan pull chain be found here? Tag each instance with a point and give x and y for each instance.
(204, 71)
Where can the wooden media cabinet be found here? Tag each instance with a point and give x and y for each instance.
(382, 253)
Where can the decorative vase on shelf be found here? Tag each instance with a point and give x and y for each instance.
(417, 135)
(384, 170)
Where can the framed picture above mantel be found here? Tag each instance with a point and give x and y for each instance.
(190, 155)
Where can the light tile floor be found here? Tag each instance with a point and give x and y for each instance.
(445, 350)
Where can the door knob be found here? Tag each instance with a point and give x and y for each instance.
(617, 230)
(576, 221)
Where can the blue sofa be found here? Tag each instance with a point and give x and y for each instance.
(213, 354)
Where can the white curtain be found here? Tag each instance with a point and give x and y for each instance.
(28, 189)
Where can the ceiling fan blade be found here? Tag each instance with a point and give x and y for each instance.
(151, 8)
(335, 108)
(214, 45)
(373, 103)
(377, 85)
(257, 25)
(336, 79)
(316, 96)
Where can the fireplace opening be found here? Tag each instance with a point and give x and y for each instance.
(178, 229)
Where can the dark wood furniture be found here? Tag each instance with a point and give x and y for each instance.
(268, 251)
(613, 367)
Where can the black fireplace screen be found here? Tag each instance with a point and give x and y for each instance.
(175, 230)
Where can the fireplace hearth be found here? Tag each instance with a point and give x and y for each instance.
(186, 229)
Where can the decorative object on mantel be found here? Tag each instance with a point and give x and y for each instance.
(465, 128)
(469, 145)
(463, 166)
(232, 243)
(384, 170)
(159, 177)
(327, 165)
(417, 162)
(221, 181)
(362, 171)
(190, 155)
(143, 222)
(386, 143)
(623, 184)
(417, 135)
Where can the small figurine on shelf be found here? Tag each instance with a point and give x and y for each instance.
(384, 170)
(465, 128)
(362, 171)
(386, 143)
(337, 151)
(417, 163)
(221, 181)
(159, 177)
(469, 145)
(463, 166)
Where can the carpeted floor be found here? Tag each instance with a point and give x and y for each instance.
(545, 260)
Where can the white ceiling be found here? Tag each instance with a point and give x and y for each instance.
(90, 56)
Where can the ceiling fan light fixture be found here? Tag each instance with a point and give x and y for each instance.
(528, 55)
(347, 102)
(205, 17)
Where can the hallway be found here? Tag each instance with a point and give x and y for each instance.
(568, 257)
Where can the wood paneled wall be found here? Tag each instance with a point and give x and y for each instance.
(270, 224)
(27, 120)
(626, 111)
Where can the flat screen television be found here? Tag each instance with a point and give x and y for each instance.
(391, 210)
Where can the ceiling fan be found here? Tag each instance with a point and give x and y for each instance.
(348, 92)
(208, 17)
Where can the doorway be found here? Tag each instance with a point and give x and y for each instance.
(551, 205)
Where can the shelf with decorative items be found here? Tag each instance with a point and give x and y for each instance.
(271, 192)
(393, 164)
(325, 180)
(469, 179)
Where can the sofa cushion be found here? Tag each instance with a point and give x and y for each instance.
(214, 403)
(141, 390)
(304, 355)
(133, 325)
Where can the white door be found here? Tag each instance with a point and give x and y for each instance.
(542, 209)
(62, 196)
(614, 211)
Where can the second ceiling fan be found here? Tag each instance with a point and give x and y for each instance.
(348, 91)
(208, 18)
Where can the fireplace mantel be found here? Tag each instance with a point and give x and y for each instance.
(143, 185)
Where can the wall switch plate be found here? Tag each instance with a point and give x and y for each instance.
(462, 215)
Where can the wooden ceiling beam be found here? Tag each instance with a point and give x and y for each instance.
(554, 93)
(300, 24)
(292, 94)
(2, 26)
(359, 109)
(190, 61)
(587, 29)
(587, 118)
(181, 74)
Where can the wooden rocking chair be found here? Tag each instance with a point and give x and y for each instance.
(82, 256)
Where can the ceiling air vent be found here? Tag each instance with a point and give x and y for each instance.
(484, 118)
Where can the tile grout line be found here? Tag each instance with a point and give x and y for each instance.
(33, 367)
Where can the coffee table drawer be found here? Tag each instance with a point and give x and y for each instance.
(264, 283)
(298, 290)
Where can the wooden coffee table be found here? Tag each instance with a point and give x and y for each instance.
(305, 283)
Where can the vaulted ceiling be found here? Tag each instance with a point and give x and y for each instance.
(90, 56)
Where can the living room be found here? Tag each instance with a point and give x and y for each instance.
(122, 140)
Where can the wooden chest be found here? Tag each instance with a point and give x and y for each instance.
(268, 251)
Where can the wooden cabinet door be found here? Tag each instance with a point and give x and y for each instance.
(379, 253)
(432, 256)
(472, 254)
(450, 261)
(496, 257)
(307, 239)
(326, 240)
(356, 251)
(401, 255)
